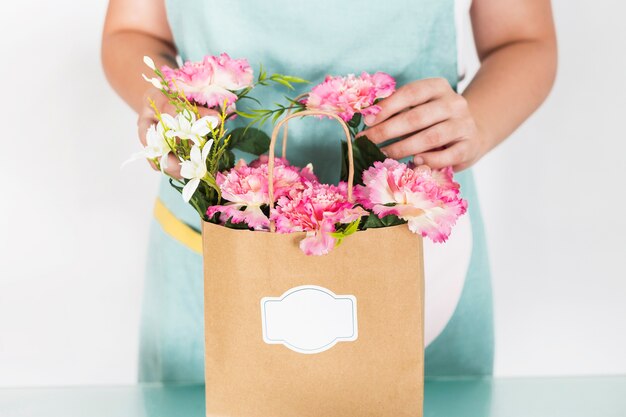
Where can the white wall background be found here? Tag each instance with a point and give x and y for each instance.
(73, 227)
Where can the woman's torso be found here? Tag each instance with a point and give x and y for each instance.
(409, 39)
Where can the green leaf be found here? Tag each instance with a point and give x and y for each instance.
(262, 73)
(370, 152)
(251, 140)
(246, 115)
(214, 219)
(229, 223)
(263, 120)
(295, 102)
(392, 220)
(345, 231)
(355, 121)
(204, 197)
(239, 226)
(365, 154)
(227, 161)
(352, 227)
(251, 98)
(278, 114)
(176, 187)
(293, 79)
(282, 81)
(373, 221)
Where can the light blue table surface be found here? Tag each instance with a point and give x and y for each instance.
(523, 397)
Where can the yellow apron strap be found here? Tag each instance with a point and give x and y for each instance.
(176, 228)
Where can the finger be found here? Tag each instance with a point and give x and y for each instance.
(143, 123)
(152, 164)
(455, 155)
(147, 117)
(173, 167)
(205, 111)
(462, 167)
(428, 139)
(409, 95)
(167, 108)
(410, 121)
(160, 101)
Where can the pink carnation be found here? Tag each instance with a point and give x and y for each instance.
(428, 200)
(306, 172)
(346, 96)
(316, 209)
(245, 187)
(264, 160)
(212, 80)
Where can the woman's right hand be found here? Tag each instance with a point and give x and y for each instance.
(146, 118)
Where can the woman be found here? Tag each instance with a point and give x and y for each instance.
(416, 41)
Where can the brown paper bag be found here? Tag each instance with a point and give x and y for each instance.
(291, 335)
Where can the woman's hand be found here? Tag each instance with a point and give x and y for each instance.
(434, 123)
(146, 118)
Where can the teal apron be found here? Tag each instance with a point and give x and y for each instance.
(409, 39)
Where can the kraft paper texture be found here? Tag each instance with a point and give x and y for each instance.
(378, 374)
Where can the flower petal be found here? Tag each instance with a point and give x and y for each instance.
(195, 155)
(154, 81)
(163, 161)
(253, 216)
(426, 227)
(319, 243)
(149, 62)
(133, 158)
(206, 149)
(187, 169)
(169, 121)
(204, 125)
(190, 188)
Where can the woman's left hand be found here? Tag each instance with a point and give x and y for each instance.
(433, 122)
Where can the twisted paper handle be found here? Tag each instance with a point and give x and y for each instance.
(272, 151)
(286, 127)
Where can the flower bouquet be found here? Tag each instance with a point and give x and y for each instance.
(348, 324)
(238, 194)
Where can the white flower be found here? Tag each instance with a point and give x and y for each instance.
(185, 126)
(154, 81)
(195, 169)
(149, 62)
(156, 146)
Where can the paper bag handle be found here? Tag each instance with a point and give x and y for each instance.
(286, 127)
(272, 151)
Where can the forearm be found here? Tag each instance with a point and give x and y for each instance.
(122, 60)
(512, 82)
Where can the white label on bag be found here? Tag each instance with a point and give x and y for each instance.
(309, 319)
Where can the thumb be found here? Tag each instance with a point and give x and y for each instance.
(204, 111)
